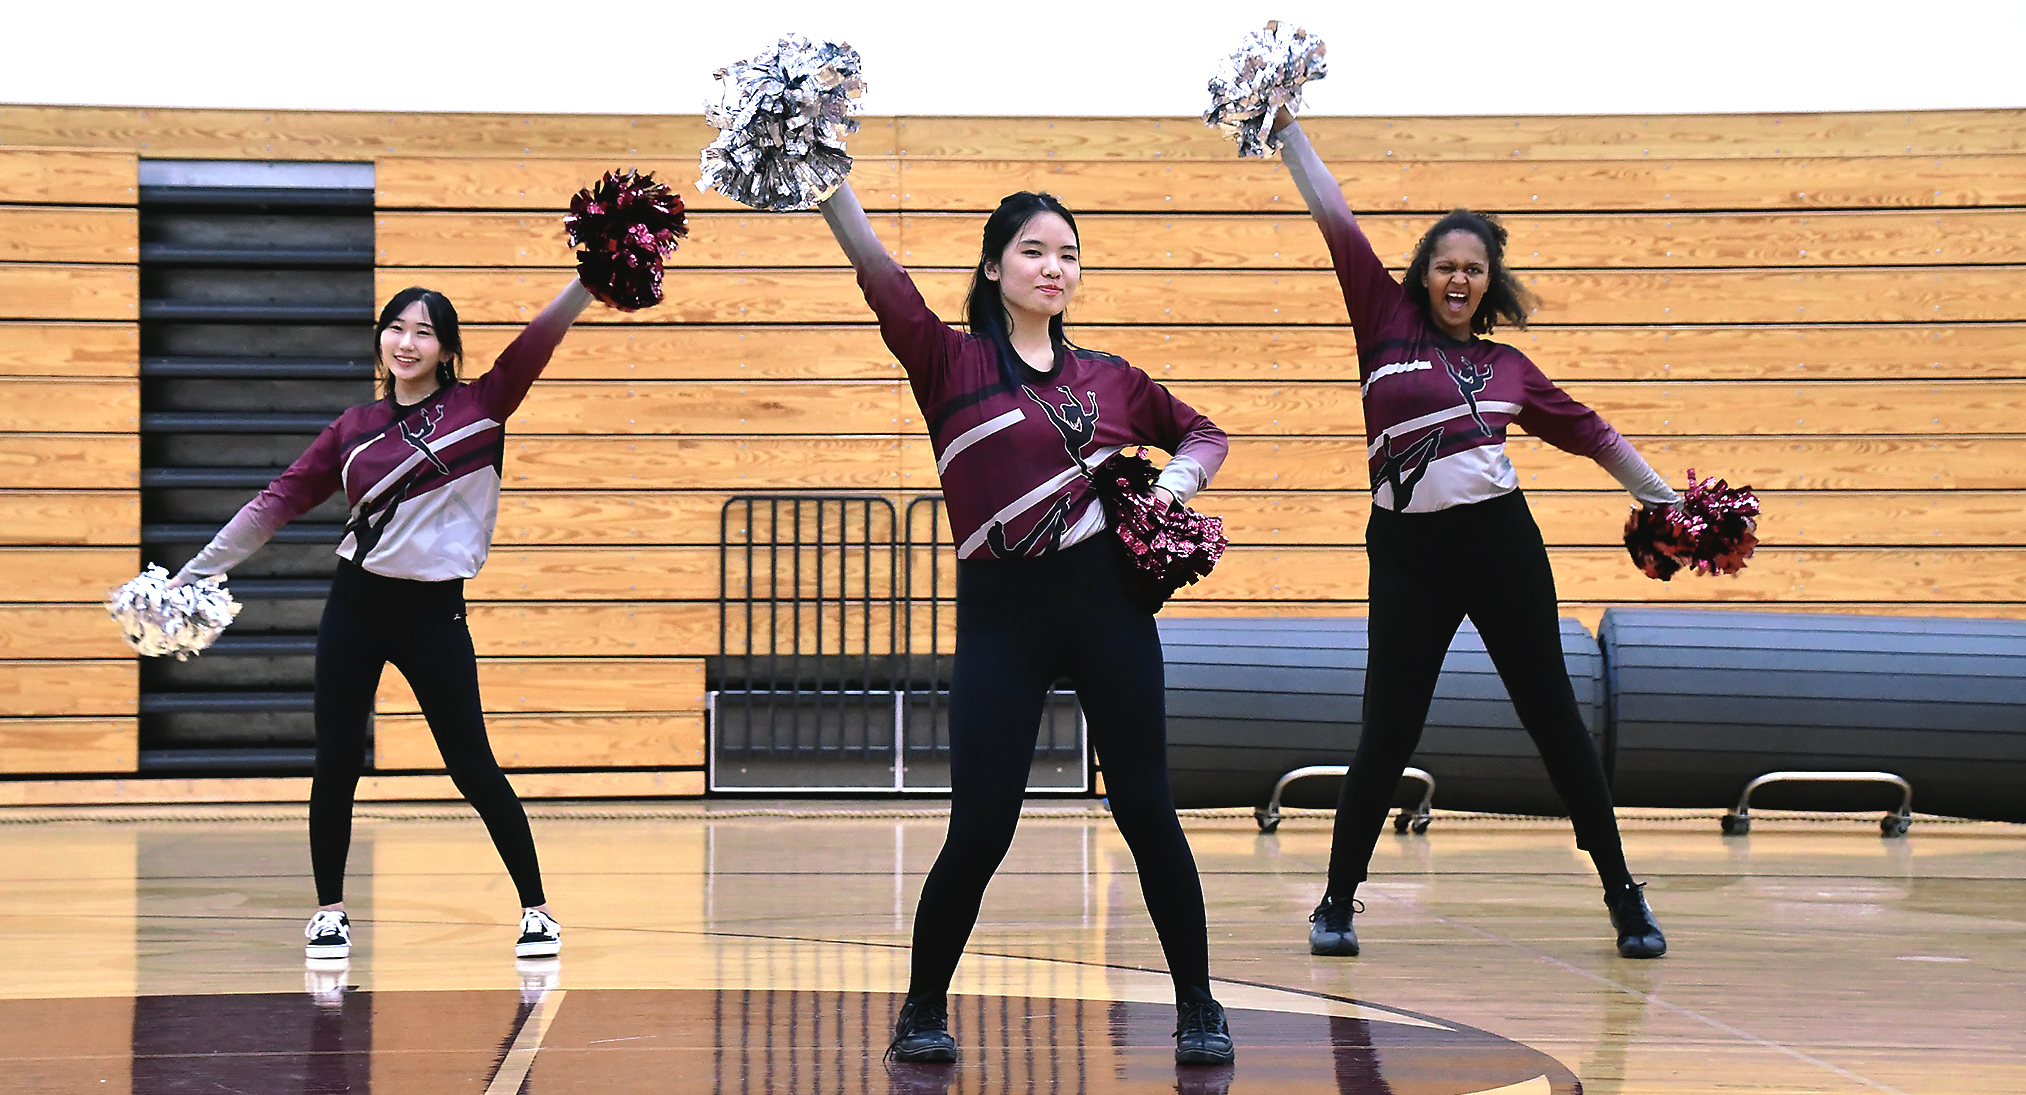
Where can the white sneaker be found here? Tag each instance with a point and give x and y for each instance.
(541, 936)
(330, 935)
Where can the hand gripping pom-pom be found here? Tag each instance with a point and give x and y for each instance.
(1166, 546)
(1263, 75)
(1712, 530)
(625, 224)
(782, 118)
(183, 620)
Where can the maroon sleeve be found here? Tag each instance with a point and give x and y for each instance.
(922, 343)
(503, 387)
(1370, 293)
(1197, 444)
(1552, 415)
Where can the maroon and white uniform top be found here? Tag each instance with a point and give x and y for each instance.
(1015, 448)
(1437, 408)
(423, 480)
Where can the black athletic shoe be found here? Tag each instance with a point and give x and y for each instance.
(922, 1034)
(1330, 930)
(1201, 1038)
(330, 935)
(1638, 933)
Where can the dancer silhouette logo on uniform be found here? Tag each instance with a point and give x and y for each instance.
(1414, 462)
(1077, 425)
(1470, 379)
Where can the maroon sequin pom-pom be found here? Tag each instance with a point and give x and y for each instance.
(1168, 546)
(625, 224)
(1712, 530)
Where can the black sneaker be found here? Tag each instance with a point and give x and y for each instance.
(922, 1034)
(541, 936)
(1638, 933)
(1201, 1038)
(1330, 930)
(330, 935)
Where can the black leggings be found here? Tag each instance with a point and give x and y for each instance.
(369, 621)
(1023, 624)
(1484, 560)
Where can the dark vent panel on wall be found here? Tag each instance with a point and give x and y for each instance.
(256, 332)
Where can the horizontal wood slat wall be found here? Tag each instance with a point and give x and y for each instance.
(1828, 307)
(70, 509)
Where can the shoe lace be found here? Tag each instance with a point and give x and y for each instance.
(325, 922)
(537, 922)
(1335, 914)
(1198, 1018)
(916, 1017)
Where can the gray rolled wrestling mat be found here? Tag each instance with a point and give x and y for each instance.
(1703, 700)
(1251, 699)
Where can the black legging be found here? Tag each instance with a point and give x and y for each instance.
(1022, 625)
(369, 621)
(1484, 560)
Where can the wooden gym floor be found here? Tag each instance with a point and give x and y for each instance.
(723, 947)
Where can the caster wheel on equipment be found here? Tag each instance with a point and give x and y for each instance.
(1420, 825)
(1267, 822)
(1733, 825)
(1400, 822)
(1894, 825)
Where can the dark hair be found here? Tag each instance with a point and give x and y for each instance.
(1504, 299)
(985, 310)
(442, 317)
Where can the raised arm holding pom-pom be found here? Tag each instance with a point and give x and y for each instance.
(1450, 534)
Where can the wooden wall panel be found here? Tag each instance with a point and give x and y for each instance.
(64, 574)
(666, 740)
(80, 461)
(29, 631)
(547, 685)
(1287, 353)
(70, 349)
(1502, 185)
(66, 176)
(69, 688)
(353, 135)
(1946, 294)
(1479, 137)
(42, 233)
(81, 518)
(519, 239)
(52, 291)
(635, 629)
(1653, 408)
(545, 185)
(56, 746)
(70, 405)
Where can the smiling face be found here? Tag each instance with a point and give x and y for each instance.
(1458, 275)
(1038, 272)
(409, 350)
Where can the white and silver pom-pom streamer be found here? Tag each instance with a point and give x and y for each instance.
(1265, 73)
(158, 620)
(783, 117)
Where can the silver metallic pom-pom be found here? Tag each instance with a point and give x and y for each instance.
(1263, 75)
(783, 116)
(158, 620)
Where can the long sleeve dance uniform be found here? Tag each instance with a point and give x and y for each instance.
(1451, 536)
(1041, 596)
(423, 482)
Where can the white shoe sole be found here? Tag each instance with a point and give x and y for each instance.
(538, 950)
(339, 950)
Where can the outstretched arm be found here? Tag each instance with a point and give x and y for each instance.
(1370, 293)
(1633, 472)
(503, 386)
(307, 482)
(853, 229)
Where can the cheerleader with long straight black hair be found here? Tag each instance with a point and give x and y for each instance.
(1450, 532)
(421, 469)
(1020, 419)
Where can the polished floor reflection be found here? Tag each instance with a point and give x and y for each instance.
(754, 954)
